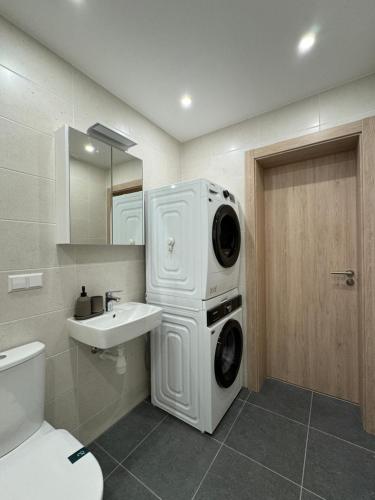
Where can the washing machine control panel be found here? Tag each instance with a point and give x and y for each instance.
(220, 311)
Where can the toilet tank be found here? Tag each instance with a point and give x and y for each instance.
(22, 378)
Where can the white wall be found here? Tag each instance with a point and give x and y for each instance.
(38, 93)
(220, 156)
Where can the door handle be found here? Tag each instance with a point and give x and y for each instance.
(349, 273)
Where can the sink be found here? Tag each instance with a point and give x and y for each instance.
(126, 322)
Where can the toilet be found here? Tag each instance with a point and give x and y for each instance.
(37, 461)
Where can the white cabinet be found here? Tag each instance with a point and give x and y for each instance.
(94, 182)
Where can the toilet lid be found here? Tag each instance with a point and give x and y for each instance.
(42, 470)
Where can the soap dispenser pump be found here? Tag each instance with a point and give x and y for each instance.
(83, 305)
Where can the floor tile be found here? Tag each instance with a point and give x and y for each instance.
(341, 419)
(173, 459)
(128, 432)
(121, 485)
(307, 495)
(234, 477)
(222, 429)
(106, 463)
(338, 470)
(288, 400)
(243, 394)
(270, 439)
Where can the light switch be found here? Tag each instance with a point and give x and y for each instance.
(35, 280)
(17, 282)
(24, 281)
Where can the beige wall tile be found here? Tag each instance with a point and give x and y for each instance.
(347, 103)
(98, 383)
(97, 424)
(49, 328)
(288, 121)
(26, 150)
(26, 197)
(126, 276)
(62, 412)
(25, 102)
(61, 373)
(22, 54)
(40, 251)
(86, 254)
(59, 292)
(98, 380)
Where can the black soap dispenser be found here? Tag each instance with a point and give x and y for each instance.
(83, 305)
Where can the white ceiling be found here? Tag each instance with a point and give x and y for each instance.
(237, 58)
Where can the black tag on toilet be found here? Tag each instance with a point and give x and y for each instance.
(78, 454)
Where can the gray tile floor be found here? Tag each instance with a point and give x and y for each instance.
(284, 443)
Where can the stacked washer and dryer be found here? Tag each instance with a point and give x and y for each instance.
(193, 246)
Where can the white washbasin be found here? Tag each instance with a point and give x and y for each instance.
(126, 322)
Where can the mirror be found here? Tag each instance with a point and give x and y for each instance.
(90, 179)
(99, 192)
(127, 199)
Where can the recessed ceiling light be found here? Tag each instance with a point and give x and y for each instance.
(89, 148)
(186, 101)
(306, 42)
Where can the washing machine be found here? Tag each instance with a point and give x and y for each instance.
(223, 317)
(196, 358)
(193, 240)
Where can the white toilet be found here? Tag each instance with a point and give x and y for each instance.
(38, 462)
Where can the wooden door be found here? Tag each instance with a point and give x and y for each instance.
(311, 315)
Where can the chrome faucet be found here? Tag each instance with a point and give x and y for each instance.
(110, 298)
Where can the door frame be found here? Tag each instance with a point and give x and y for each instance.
(359, 135)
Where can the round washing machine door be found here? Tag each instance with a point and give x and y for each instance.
(226, 236)
(228, 353)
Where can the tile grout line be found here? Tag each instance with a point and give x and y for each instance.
(106, 452)
(20, 172)
(120, 465)
(144, 439)
(24, 221)
(342, 439)
(312, 427)
(276, 413)
(112, 471)
(307, 442)
(140, 482)
(261, 465)
(218, 451)
(315, 494)
(42, 88)
(24, 125)
(70, 309)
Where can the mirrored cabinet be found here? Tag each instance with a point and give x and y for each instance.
(99, 192)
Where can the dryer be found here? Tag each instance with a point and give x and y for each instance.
(193, 240)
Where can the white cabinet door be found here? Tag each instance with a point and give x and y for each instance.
(175, 366)
(128, 219)
(174, 240)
